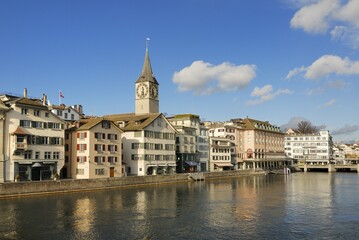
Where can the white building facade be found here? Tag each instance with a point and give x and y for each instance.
(316, 148)
(34, 140)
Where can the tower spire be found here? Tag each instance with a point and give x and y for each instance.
(146, 73)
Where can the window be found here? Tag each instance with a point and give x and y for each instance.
(47, 114)
(82, 135)
(112, 148)
(55, 140)
(112, 160)
(81, 147)
(72, 116)
(81, 159)
(37, 155)
(66, 115)
(99, 159)
(112, 137)
(28, 154)
(100, 136)
(35, 124)
(25, 123)
(100, 171)
(54, 125)
(47, 155)
(59, 112)
(106, 124)
(56, 155)
(159, 122)
(24, 111)
(36, 112)
(99, 147)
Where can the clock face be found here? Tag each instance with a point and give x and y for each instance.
(142, 90)
(154, 91)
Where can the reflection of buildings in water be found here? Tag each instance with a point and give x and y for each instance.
(111, 202)
(140, 205)
(84, 214)
(306, 194)
(153, 203)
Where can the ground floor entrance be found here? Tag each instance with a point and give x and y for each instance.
(35, 171)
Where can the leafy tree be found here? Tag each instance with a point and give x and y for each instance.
(306, 127)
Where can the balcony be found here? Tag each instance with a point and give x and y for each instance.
(20, 145)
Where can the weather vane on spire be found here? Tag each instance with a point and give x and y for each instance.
(147, 40)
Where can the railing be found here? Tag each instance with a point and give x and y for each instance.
(20, 145)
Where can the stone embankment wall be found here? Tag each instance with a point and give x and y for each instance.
(14, 189)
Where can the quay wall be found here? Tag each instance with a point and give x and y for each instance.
(17, 189)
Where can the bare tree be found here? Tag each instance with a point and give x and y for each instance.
(306, 127)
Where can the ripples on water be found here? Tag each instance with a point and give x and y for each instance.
(298, 206)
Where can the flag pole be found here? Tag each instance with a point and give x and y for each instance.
(59, 97)
(147, 40)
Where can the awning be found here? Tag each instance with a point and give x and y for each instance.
(151, 165)
(191, 163)
(224, 164)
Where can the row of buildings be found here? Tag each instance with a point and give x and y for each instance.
(40, 141)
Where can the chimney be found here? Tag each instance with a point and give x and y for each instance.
(44, 99)
(25, 92)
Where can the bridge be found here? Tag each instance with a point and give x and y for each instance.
(330, 167)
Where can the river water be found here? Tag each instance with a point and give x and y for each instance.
(298, 206)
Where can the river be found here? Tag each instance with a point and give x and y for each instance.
(297, 206)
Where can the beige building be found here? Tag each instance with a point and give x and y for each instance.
(187, 154)
(229, 131)
(33, 140)
(220, 154)
(263, 145)
(148, 143)
(93, 150)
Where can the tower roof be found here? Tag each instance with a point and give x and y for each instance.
(147, 74)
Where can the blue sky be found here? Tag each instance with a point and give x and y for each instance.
(272, 60)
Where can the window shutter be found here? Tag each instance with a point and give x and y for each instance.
(108, 159)
(103, 159)
(108, 147)
(103, 135)
(85, 159)
(104, 147)
(85, 135)
(78, 147)
(78, 159)
(78, 135)
(108, 136)
(85, 147)
(115, 148)
(115, 159)
(115, 136)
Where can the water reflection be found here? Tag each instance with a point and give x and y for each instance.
(298, 206)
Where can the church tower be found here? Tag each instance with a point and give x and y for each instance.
(146, 90)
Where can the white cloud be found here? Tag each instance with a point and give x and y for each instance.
(332, 84)
(347, 129)
(294, 72)
(265, 94)
(314, 17)
(326, 65)
(337, 84)
(340, 18)
(205, 78)
(330, 102)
